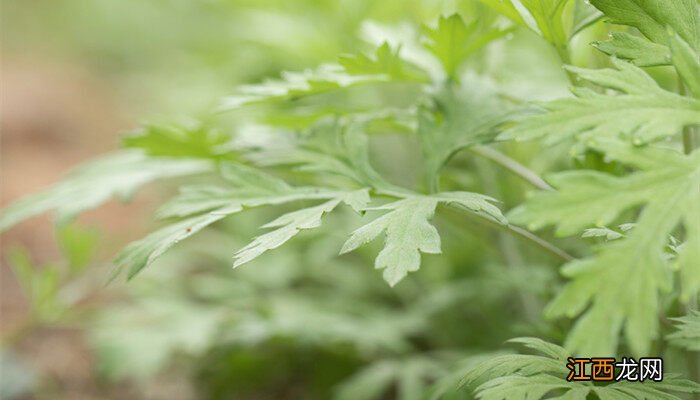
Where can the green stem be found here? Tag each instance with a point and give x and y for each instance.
(509, 248)
(690, 143)
(511, 165)
(563, 53)
(690, 134)
(486, 220)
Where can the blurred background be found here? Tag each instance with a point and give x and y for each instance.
(75, 74)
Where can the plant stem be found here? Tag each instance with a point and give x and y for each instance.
(509, 248)
(525, 235)
(511, 165)
(690, 143)
(563, 53)
(690, 135)
(512, 229)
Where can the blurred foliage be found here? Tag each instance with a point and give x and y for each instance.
(408, 129)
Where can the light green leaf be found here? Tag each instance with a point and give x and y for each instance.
(584, 16)
(352, 70)
(688, 334)
(290, 224)
(687, 63)
(409, 232)
(332, 145)
(652, 17)
(534, 377)
(409, 375)
(159, 328)
(638, 50)
(622, 282)
(656, 20)
(460, 117)
(205, 205)
(386, 62)
(179, 141)
(547, 16)
(453, 42)
(607, 233)
(327, 77)
(639, 108)
(507, 9)
(117, 175)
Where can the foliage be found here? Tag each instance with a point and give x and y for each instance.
(406, 136)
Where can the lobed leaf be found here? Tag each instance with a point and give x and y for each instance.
(89, 186)
(639, 109)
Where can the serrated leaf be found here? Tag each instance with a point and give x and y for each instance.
(534, 377)
(204, 205)
(687, 335)
(386, 62)
(652, 17)
(584, 16)
(290, 224)
(460, 117)
(639, 108)
(623, 281)
(547, 15)
(607, 233)
(117, 175)
(352, 70)
(453, 41)
(638, 50)
(410, 376)
(327, 77)
(179, 141)
(507, 9)
(409, 232)
(687, 63)
(334, 146)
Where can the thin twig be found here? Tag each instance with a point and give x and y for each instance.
(511, 165)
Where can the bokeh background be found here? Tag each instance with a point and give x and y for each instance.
(75, 74)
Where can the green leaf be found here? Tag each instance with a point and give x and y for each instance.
(657, 22)
(585, 15)
(293, 85)
(622, 282)
(507, 9)
(179, 141)
(386, 62)
(159, 328)
(332, 145)
(92, 184)
(290, 224)
(548, 16)
(205, 205)
(459, 118)
(687, 63)
(409, 232)
(355, 70)
(638, 108)
(453, 42)
(534, 377)
(652, 17)
(409, 375)
(636, 49)
(78, 246)
(688, 334)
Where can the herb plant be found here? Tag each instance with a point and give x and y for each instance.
(621, 191)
